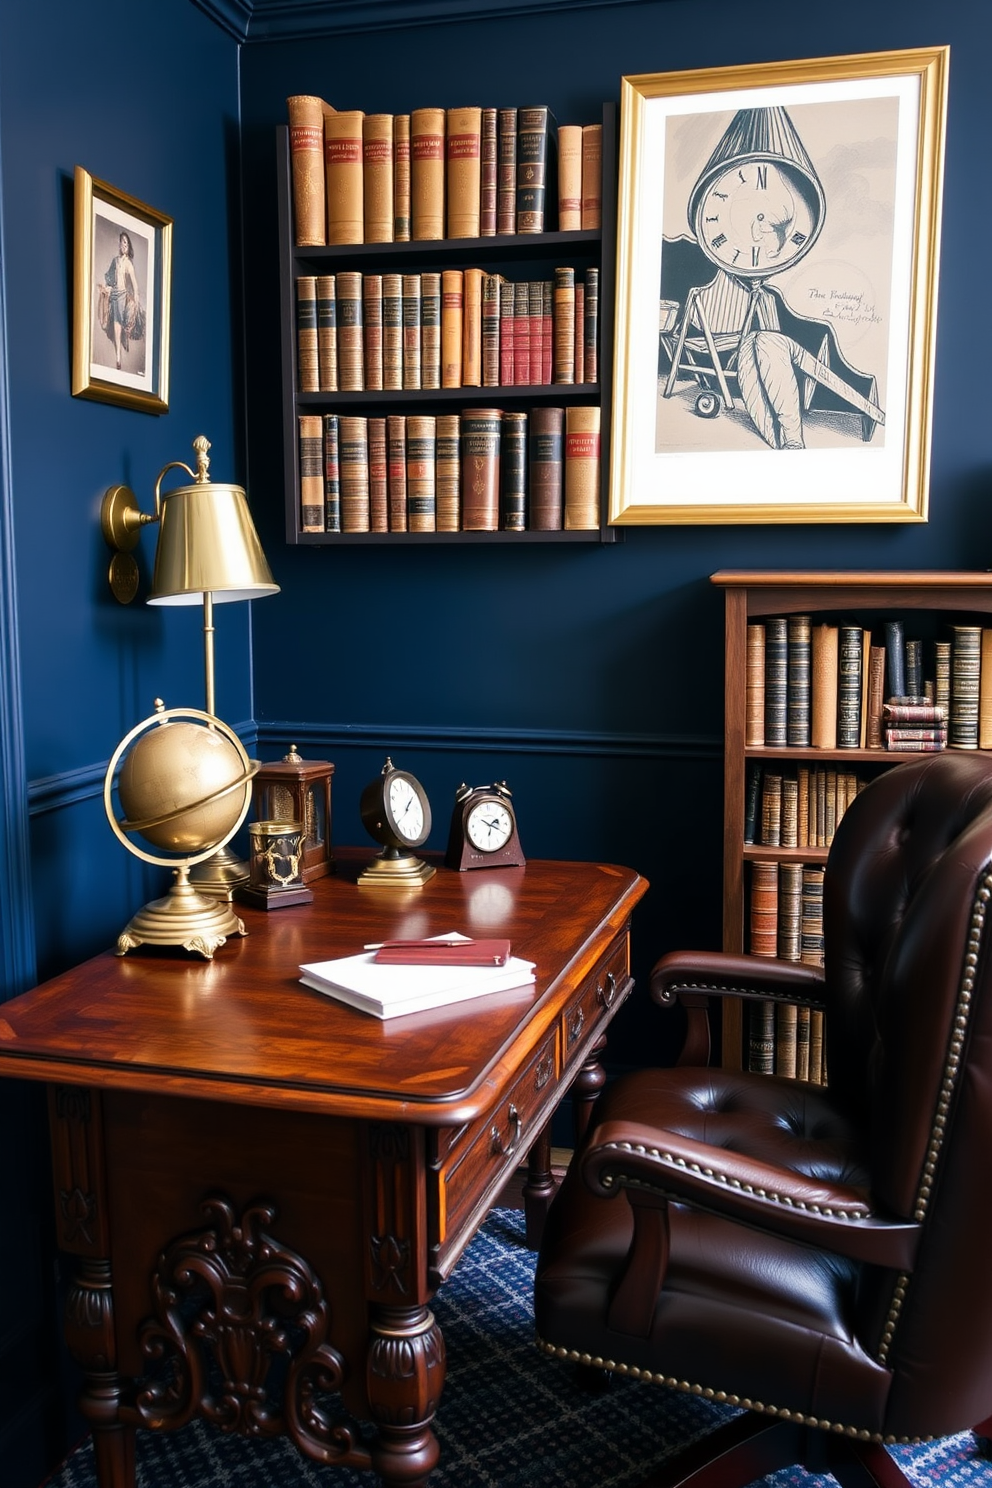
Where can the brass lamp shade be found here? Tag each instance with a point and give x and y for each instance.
(207, 544)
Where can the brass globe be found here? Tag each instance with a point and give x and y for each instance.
(179, 787)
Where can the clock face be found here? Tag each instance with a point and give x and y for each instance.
(488, 826)
(758, 217)
(405, 808)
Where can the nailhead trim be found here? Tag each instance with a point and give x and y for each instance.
(765, 994)
(722, 1397)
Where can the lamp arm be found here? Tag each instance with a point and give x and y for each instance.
(172, 465)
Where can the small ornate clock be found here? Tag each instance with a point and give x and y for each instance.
(483, 829)
(396, 813)
(298, 790)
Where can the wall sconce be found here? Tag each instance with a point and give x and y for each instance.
(207, 552)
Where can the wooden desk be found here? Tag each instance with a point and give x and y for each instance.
(247, 1171)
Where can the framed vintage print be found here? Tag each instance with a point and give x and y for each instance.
(122, 272)
(778, 234)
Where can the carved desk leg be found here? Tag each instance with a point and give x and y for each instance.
(76, 1126)
(586, 1086)
(405, 1377)
(539, 1188)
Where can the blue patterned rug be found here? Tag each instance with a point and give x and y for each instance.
(509, 1417)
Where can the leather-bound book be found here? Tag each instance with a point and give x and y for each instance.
(421, 472)
(306, 154)
(513, 473)
(569, 177)
(411, 331)
(534, 133)
(430, 330)
(985, 693)
(811, 932)
(790, 810)
(452, 324)
(307, 369)
(332, 474)
(472, 329)
(448, 465)
(592, 176)
(817, 1047)
(533, 313)
(351, 332)
(754, 685)
(392, 332)
(344, 177)
(507, 335)
(802, 1043)
(849, 663)
(579, 354)
(764, 909)
(771, 808)
(401, 178)
(490, 330)
(396, 471)
(521, 333)
(377, 158)
(463, 151)
(372, 331)
(776, 675)
(378, 477)
(592, 325)
(563, 350)
(506, 170)
(966, 668)
(487, 211)
(786, 1014)
(942, 675)
(547, 329)
(823, 720)
(798, 681)
(581, 465)
(545, 480)
(876, 697)
(427, 173)
(480, 455)
(353, 447)
(761, 1038)
(311, 442)
(327, 333)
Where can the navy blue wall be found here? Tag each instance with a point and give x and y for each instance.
(590, 678)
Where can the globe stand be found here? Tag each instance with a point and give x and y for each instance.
(220, 874)
(182, 917)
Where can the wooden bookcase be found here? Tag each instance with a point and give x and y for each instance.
(867, 598)
(525, 256)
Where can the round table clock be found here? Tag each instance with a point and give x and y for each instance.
(483, 829)
(396, 813)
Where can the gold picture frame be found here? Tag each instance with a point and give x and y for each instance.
(122, 278)
(785, 220)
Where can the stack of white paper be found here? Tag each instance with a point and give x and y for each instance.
(388, 991)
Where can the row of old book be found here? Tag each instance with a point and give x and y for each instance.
(439, 173)
(483, 470)
(797, 806)
(454, 328)
(842, 686)
(786, 921)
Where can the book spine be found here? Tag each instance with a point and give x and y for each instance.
(917, 745)
(411, 332)
(914, 668)
(569, 177)
(521, 333)
(545, 477)
(327, 333)
(802, 1043)
(430, 330)
(897, 735)
(507, 348)
(377, 161)
(849, 663)
(771, 809)
(802, 806)
(966, 669)
(506, 170)
(798, 662)
(343, 177)
(817, 1047)
(895, 657)
(513, 473)
(480, 460)
(776, 680)
(532, 167)
(490, 330)
(764, 909)
(332, 474)
(351, 350)
(448, 463)
(754, 686)
(790, 811)
(917, 714)
(401, 178)
(487, 212)
(547, 329)
(761, 1038)
(392, 332)
(452, 326)
(464, 172)
(396, 471)
(306, 155)
(563, 364)
(811, 932)
(752, 792)
(592, 176)
(535, 327)
(580, 333)
(427, 173)
(942, 675)
(307, 364)
(985, 693)
(378, 477)
(372, 331)
(472, 329)
(592, 325)
(581, 469)
(823, 721)
(353, 439)
(876, 696)
(421, 472)
(311, 473)
(786, 1015)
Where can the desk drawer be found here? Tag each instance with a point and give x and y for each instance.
(593, 1002)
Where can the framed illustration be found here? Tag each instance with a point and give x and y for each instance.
(122, 272)
(778, 234)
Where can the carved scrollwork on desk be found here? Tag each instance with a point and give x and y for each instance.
(543, 1070)
(231, 1301)
(77, 1211)
(576, 1023)
(390, 1260)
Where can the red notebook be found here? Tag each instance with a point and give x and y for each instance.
(443, 953)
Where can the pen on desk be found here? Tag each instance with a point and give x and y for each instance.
(381, 944)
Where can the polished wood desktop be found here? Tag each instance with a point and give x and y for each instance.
(258, 1182)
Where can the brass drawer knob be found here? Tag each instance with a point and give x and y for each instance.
(517, 1126)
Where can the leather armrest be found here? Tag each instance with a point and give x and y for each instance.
(718, 974)
(832, 1216)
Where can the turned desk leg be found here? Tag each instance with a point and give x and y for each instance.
(585, 1087)
(405, 1376)
(89, 1331)
(539, 1188)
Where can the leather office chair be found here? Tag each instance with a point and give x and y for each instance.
(819, 1256)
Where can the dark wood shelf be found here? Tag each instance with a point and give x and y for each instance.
(478, 252)
(423, 398)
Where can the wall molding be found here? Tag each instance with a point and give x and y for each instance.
(299, 20)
